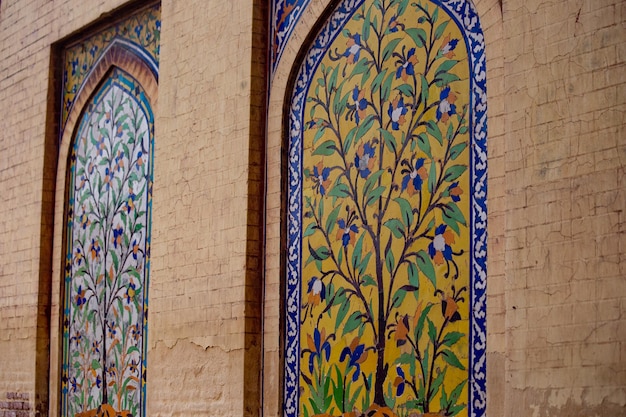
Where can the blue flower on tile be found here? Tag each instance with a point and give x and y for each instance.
(316, 291)
(396, 112)
(131, 290)
(74, 66)
(358, 105)
(353, 49)
(318, 345)
(399, 381)
(414, 175)
(356, 355)
(455, 191)
(407, 65)
(364, 159)
(439, 249)
(448, 47)
(118, 233)
(80, 298)
(446, 106)
(138, 30)
(347, 232)
(321, 182)
(394, 25)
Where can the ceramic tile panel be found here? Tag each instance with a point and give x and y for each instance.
(105, 290)
(141, 32)
(386, 262)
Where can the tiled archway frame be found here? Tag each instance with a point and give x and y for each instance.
(126, 57)
(279, 96)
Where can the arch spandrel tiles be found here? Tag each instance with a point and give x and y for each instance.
(386, 246)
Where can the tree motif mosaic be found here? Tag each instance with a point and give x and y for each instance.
(141, 30)
(386, 243)
(108, 251)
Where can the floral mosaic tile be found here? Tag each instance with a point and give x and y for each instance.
(108, 252)
(386, 268)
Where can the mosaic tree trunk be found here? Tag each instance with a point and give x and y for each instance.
(384, 318)
(108, 248)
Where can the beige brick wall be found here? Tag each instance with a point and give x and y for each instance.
(564, 157)
(27, 170)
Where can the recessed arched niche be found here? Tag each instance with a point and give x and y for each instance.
(107, 133)
(386, 214)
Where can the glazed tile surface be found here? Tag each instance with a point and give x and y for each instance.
(386, 214)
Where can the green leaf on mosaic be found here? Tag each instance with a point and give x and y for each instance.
(310, 229)
(375, 195)
(364, 127)
(406, 210)
(353, 322)
(391, 46)
(454, 172)
(440, 29)
(319, 134)
(413, 275)
(451, 338)
(425, 265)
(433, 129)
(402, 7)
(326, 148)
(342, 313)
(418, 35)
(390, 140)
(396, 227)
(378, 80)
(364, 263)
(452, 359)
(432, 177)
(445, 79)
(356, 254)
(390, 262)
(366, 25)
(457, 150)
(446, 66)
(424, 144)
(361, 67)
(405, 89)
(450, 132)
(332, 219)
(386, 88)
(368, 280)
(435, 15)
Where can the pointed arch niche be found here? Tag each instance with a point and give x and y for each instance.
(383, 218)
(103, 221)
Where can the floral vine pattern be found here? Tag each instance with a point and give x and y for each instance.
(108, 251)
(387, 214)
(143, 30)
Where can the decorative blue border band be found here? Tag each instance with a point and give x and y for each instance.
(466, 18)
(284, 14)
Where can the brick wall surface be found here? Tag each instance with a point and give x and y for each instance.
(16, 405)
(564, 158)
